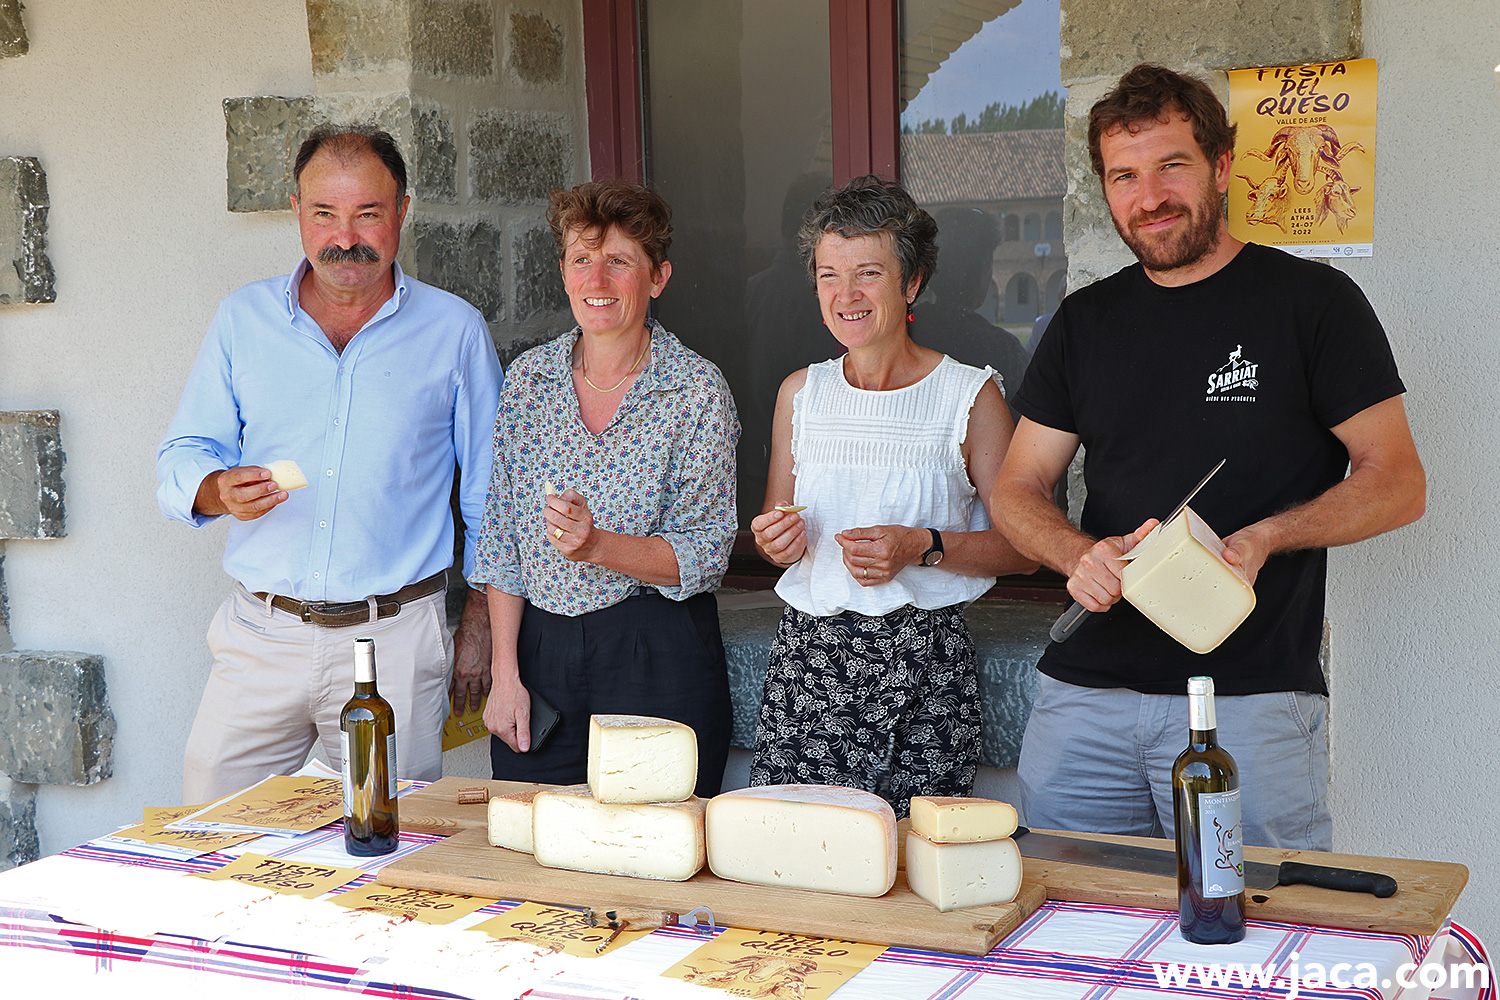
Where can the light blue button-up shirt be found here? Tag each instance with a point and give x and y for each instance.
(377, 430)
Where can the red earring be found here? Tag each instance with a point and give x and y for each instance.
(910, 318)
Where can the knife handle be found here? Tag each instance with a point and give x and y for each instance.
(1347, 879)
(1068, 622)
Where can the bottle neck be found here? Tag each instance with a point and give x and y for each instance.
(364, 666)
(1203, 726)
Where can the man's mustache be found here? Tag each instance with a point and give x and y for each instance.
(359, 253)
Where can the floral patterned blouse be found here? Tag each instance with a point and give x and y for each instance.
(663, 466)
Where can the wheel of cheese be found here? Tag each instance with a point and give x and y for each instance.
(638, 758)
(572, 830)
(820, 837)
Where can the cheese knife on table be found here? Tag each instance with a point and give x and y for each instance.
(1152, 861)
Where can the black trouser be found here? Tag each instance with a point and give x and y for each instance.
(646, 655)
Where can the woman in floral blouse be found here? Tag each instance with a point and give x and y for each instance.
(611, 510)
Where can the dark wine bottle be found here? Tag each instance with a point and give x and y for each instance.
(368, 738)
(1206, 811)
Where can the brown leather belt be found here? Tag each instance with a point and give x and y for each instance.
(358, 612)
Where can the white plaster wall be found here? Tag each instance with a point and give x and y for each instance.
(121, 102)
(1413, 614)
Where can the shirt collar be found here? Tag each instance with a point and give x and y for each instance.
(664, 371)
(294, 289)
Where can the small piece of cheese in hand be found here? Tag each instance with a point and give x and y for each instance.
(1181, 582)
(286, 474)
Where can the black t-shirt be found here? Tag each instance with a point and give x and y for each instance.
(1253, 363)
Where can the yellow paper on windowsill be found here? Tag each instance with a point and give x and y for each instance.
(467, 727)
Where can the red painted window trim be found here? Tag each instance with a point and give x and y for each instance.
(612, 88)
(864, 55)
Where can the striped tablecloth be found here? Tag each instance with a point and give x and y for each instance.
(53, 932)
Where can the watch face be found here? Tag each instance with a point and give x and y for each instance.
(932, 558)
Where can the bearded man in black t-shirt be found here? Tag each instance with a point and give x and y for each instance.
(1208, 348)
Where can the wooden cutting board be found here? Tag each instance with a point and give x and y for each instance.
(465, 862)
(1425, 890)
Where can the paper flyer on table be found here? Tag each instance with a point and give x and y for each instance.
(284, 804)
(747, 963)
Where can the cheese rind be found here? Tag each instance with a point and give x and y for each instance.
(952, 876)
(820, 837)
(664, 840)
(952, 819)
(638, 758)
(1181, 582)
(286, 474)
(510, 820)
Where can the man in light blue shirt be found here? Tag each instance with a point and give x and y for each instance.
(379, 387)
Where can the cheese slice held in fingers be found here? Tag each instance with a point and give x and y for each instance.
(286, 474)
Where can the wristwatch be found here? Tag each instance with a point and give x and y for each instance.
(934, 555)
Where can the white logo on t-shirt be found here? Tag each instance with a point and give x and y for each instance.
(1235, 381)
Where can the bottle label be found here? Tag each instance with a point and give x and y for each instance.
(1222, 852)
(348, 774)
(390, 757)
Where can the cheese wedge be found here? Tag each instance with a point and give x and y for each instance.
(510, 820)
(569, 829)
(952, 876)
(820, 837)
(286, 474)
(1181, 582)
(951, 819)
(637, 758)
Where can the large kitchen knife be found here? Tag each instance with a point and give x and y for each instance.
(1068, 622)
(1151, 861)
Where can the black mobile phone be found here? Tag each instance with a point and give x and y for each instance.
(543, 719)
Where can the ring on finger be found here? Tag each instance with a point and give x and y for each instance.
(867, 572)
(557, 533)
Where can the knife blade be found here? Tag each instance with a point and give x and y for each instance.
(1152, 861)
(1068, 622)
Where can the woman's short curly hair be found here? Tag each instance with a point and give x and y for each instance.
(869, 206)
(593, 209)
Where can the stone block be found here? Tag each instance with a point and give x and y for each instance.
(263, 134)
(6, 645)
(25, 271)
(31, 482)
(1098, 41)
(453, 38)
(434, 159)
(513, 347)
(1009, 637)
(358, 35)
(464, 259)
(18, 839)
(539, 287)
(55, 724)
(517, 157)
(12, 29)
(536, 48)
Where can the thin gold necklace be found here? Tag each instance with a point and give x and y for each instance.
(584, 364)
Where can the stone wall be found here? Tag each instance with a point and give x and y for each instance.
(485, 99)
(25, 270)
(13, 41)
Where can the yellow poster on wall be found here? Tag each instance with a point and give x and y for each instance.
(1303, 177)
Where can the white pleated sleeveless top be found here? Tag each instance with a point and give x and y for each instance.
(865, 457)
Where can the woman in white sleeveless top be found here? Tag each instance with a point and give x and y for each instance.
(885, 457)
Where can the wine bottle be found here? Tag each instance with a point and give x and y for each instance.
(368, 738)
(1206, 811)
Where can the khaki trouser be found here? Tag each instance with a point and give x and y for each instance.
(279, 683)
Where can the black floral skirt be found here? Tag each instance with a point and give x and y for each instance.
(889, 704)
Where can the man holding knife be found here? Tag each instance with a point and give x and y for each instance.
(1208, 348)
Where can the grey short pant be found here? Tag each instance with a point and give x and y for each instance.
(1100, 760)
